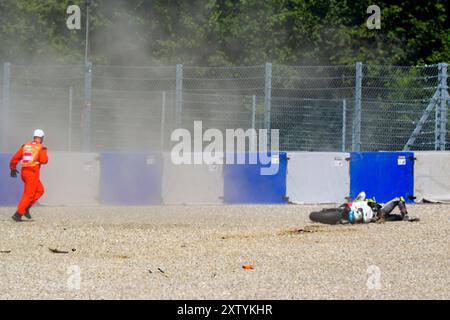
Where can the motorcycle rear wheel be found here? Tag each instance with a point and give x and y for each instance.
(327, 216)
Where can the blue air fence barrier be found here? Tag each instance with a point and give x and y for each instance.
(245, 183)
(383, 175)
(10, 188)
(130, 178)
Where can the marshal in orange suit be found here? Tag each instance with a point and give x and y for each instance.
(32, 154)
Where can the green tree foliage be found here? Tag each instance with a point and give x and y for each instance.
(227, 32)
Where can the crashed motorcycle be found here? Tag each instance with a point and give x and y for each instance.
(363, 210)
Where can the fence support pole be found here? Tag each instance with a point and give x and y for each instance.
(423, 119)
(437, 119)
(443, 95)
(268, 102)
(69, 129)
(253, 142)
(344, 124)
(87, 108)
(5, 112)
(163, 118)
(356, 136)
(179, 95)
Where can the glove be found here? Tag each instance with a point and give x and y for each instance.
(14, 173)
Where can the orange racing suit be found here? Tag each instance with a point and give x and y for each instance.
(32, 155)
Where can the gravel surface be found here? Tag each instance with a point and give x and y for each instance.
(197, 252)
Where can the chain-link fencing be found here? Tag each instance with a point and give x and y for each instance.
(316, 108)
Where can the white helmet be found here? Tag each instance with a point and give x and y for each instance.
(39, 133)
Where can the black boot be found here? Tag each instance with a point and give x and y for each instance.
(403, 211)
(27, 213)
(17, 217)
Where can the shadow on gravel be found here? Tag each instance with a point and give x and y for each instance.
(314, 228)
(308, 229)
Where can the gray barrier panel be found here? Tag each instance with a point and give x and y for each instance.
(318, 177)
(71, 178)
(192, 183)
(432, 176)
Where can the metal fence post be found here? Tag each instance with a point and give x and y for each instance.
(163, 118)
(443, 95)
(87, 107)
(179, 96)
(356, 136)
(5, 112)
(69, 132)
(437, 118)
(268, 101)
(344, 124)
(253, 142)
